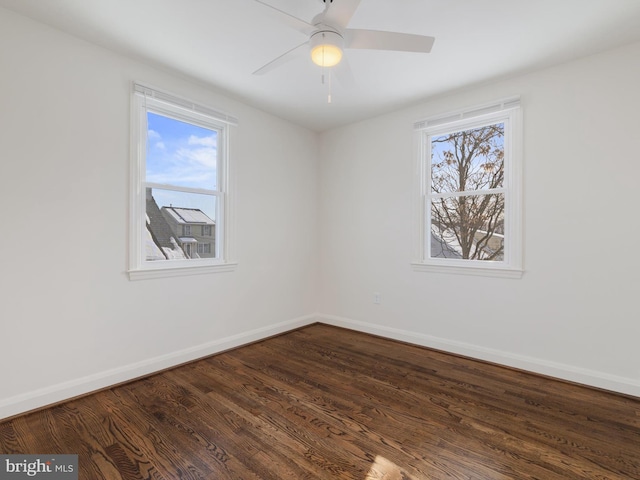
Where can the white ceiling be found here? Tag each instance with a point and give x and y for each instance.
(221, 42)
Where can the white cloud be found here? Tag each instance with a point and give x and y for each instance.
(153, 134)
(203, 156)
(209, 141)
(187, 161)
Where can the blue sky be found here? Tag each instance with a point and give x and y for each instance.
(185, 155)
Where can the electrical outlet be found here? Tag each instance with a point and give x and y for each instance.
(377, 298)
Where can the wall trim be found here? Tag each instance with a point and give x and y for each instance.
(591, 378)
(43, 397)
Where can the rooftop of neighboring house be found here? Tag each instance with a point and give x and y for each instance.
(189, 216)
(441, 249)
(160, 240)
(158, 226)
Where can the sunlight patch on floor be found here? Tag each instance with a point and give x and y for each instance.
(383, 469)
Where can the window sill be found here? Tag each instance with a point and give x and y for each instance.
(462, 270)
(180, 271)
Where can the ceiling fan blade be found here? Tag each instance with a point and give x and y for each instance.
(282, 59)
(377, 40)
(340, 12)
(344, 75)
(291, 20)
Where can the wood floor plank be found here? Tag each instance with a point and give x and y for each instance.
(393, 397)
(278, 410)
(484, 390)
(213, 430)
(327, 403)
(380, 431)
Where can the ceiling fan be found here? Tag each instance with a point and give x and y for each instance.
(329, 36)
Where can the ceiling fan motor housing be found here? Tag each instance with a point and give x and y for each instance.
(327, 36)
(326, 47)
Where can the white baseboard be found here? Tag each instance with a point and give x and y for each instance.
(570, 373)
(56, 393)
(46, 396)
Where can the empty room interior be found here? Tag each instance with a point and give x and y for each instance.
(225, 257)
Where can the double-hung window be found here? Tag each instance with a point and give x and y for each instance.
(470, 191)
(179, 181)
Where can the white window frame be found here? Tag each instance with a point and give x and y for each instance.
(505, 111)
(147, 99)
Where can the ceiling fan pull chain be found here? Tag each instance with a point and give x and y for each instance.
(326, 80)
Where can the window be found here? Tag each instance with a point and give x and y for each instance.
(470, 182)
(206, 230)
(179, 178)
(204, 248)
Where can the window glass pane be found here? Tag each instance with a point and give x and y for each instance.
(181, 154)
(468, 160)
(177, 223)
(468, 227)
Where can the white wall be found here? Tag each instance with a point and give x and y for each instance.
(70, 320)
(575, 313)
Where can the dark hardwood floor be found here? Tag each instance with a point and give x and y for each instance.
(323, 402)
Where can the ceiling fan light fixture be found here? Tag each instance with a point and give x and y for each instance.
(326, 48)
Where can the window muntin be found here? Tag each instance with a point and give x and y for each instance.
(471, 192)
(179, 178)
